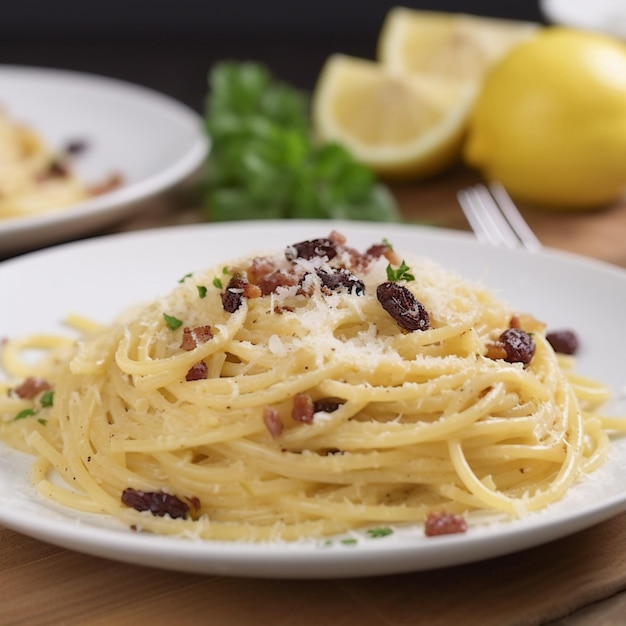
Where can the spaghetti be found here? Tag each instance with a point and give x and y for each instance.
(302, 393)
(33, 178)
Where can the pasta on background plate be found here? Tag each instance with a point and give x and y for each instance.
(306, 392)
(34, 179)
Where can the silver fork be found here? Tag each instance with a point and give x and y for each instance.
(495, 219)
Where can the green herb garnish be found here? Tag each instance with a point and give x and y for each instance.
(349, 542)
(217, 283)
(401, 273)
(202, 291)
(380, 532)
(264, 162)
(25, 413)
(185, 277)
(172, 322)
(47, 398)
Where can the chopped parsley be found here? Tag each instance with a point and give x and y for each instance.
(47, 398)
(172, 322)
(201, 291)
(25, 413)
(380, 532)
(185, 277)
(217, 283)
(401, 273)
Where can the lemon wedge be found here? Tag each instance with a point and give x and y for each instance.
(399, 125)
(453, 45)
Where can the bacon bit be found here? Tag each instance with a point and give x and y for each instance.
(303, 408)
(383, 249)
(112, 182)
(272, 421)
(259, 269)
(55, 169)
(195, 503)
(265, 278)
(279, 310)
(495, 350)
(157, 502)
(442, 523)
(203, 333)
(31, 387)
(377, 250)
(337, 237)
(279, 278)
(188, 342)
(197, 372)
(251, 291)
(193, 337)
(306, 288)
(355, 259)
(237, 289)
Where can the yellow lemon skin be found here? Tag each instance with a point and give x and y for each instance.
(550, 121)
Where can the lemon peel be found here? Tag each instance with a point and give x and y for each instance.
(550, 121)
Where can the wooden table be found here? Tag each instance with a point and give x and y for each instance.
(577, 580)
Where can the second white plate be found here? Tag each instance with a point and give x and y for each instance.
(152, 140)
(606, 16)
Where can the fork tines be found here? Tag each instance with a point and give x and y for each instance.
(494, 218)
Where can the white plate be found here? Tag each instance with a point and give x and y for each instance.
(607, 16)
(152, 140)
(100, 277)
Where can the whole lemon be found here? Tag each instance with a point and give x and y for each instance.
(550, 120)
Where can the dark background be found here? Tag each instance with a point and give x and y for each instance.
(170, 45)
